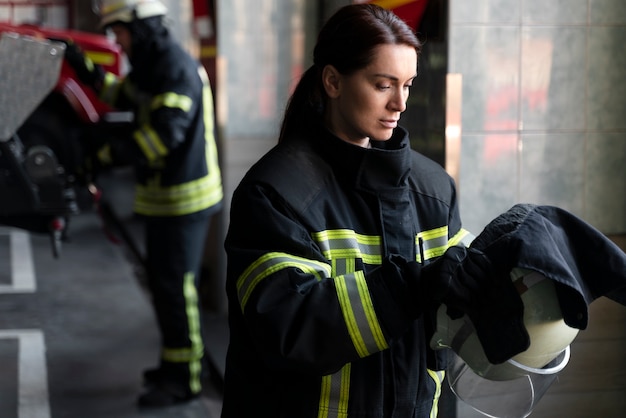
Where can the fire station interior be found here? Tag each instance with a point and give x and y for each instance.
(520, 101)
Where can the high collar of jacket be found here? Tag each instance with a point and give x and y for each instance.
(383, 167)
(145, 56)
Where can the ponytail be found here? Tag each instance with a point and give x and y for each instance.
(307, 97)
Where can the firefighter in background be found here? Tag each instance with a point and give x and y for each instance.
(171, 144)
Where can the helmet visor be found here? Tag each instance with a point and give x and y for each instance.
(515, 398)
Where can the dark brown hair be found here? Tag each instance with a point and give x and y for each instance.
(347, 42)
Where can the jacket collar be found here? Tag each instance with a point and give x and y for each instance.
(383, 167)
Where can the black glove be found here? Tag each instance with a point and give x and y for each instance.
(87, 72)
(467, 282)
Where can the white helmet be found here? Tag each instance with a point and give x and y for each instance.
(111, 11)
(523, 378)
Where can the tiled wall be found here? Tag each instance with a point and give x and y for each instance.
(544, 107)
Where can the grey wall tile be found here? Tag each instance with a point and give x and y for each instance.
(607, 89)
(553, 78)
(560, 12)
(488, 178)
(605, 185)
(552, 170)
(607, 12)
(485, 11)
(569, 96)
(489, 59)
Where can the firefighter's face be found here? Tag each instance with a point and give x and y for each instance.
(367, 104)
(123, 38)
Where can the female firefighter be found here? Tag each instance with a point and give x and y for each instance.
(342, 240)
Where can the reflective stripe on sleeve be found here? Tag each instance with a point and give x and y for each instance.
(150, 143)
(110, 88)
(171, 100)
(435, 242)
(359, 315)
(463, 237)
(270, 263)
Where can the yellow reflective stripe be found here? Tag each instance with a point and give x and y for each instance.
(150, 143)
(345, 243)
(271, 263)
(434, 243)
(181, 199)
(192, 355)
(335, 393)
(462, 237)
(359, 315)
(171, 100)
(110, 88)
(99, 57)
(211, 155)
(207, 101)
(195, 336)
(438, 379)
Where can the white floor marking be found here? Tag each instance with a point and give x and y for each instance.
(22, 268)
(32, 373)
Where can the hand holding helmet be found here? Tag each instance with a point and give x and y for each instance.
(467, 282)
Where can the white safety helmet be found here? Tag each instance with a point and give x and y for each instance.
(111, 11)
(523, 379)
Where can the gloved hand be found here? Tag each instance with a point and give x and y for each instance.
(110, 144)
(467, 282)
(87, 72)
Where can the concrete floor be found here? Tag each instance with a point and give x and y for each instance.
(76, 332)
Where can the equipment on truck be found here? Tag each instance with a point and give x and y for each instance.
(46, 115)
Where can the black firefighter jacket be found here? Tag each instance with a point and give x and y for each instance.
(320, 324)
(172, 142)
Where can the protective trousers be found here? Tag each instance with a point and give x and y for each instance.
(175, 247)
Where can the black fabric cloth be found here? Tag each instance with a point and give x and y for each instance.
(583, 262)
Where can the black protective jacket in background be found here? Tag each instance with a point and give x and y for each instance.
(583, 262)
(172, 144)
(321, 324)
